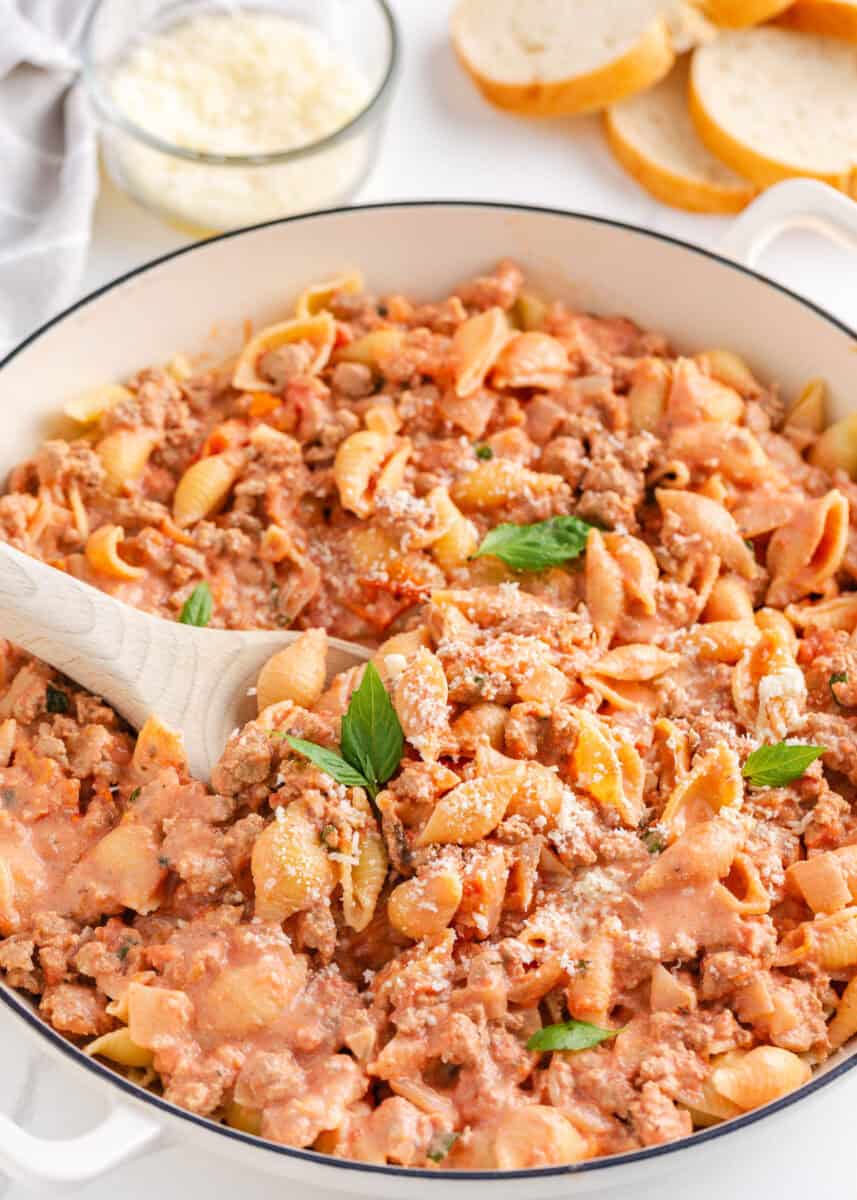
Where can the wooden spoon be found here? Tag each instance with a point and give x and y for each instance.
(195, 680)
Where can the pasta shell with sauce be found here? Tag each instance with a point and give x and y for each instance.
(120, 1047)
(495, 483)
(420, 696)
(426, 904)
(319, 332)
(836, 449)
(296, 673)
(844, 1023)
(373, 349)
(357, 461)
(476, 346)
(713, 783)
(712, 524)
(531, 360)
(809, 409)
(203, 488)
(291, 869)
(362, 881)
(729, 368)
(124, 456)
(318, 296)
(608, 767)
(703, 854)
(92, 405)
(158, 746)
(537, 1135)
(807, 551)
(102, 554)
(647, 398)
(126, 864)
(761, 1075)
(470, 811)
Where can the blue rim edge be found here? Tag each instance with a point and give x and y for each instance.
(22, 1009)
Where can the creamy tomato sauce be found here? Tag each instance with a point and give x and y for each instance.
(574, 836)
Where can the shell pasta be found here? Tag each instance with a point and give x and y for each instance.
(570, 867)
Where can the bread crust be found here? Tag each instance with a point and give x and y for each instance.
(751, 162)
(679, 191)
(836, 18)
(739, 14)
(647, 62)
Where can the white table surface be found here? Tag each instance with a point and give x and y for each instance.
(443, 141)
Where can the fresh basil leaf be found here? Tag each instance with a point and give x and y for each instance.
(329, 761)
(197, 609)
(441, 1145)
(775, 766)
(570, 1035)
(534, 547)
(56, 701)
(372, 738)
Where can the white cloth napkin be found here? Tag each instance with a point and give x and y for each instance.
(48, 162)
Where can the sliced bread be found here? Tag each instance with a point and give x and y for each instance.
(738, 14)
(654, 139)
(837, 18)
(559, 57)
(773, 104)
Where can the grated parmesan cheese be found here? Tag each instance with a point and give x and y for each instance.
(236, 84)
(786, 687)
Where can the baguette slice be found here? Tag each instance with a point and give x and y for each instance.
(738, 14)
(836, 18)
(549, 58)
(653, 138)
(773, 104)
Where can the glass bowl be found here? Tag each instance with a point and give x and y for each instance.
(206, 192)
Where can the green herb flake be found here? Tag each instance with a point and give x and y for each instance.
(329, 837)
(775, 766)
(163, 861)
(837, 677)
(478, 681)
(582, 964)
(56, 701)
(441, 1145)
(122, 952)
(653, 841)
(483, 452)
(535, 547)
(198, 607)
(135, 795)
(570, 1035)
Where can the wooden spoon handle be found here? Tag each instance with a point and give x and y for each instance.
(106, 646)
(195, 680)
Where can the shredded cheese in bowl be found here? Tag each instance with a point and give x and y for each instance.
(235, 85)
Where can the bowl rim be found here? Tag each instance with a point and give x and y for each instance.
(113, 115)
(14, 1000)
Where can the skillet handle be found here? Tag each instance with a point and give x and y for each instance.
(55, 1164)
(794, 204)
